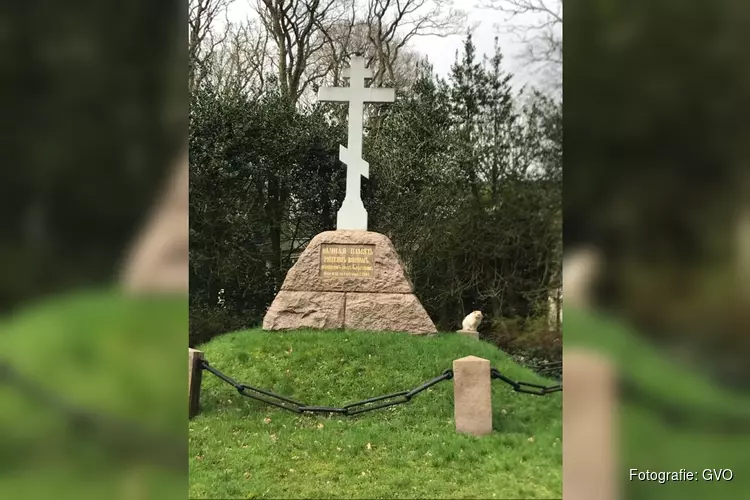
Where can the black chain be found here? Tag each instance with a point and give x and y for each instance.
(686, 416)
(548, 370)
(526, 387)
(731, 423)
(127, 438)
(295, 406)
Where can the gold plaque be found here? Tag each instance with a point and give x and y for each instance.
(346, 261)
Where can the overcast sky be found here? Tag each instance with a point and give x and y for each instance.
(442, 51)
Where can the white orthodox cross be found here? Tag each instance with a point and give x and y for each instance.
(352, 214)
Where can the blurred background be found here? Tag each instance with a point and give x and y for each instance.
(656, 229)
(94, 107)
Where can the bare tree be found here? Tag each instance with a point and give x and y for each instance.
(342, 39)
(538, 25)
(297, 27)
(382, 35)
(202, 15)
(393, 24)
(316, 38)
(309, 42)
(354, 37)
(240, 63)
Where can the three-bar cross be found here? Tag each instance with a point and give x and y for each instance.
(352, 214)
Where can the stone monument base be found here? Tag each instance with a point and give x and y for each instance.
(348, 279)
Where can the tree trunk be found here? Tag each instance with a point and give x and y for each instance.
(273, 211)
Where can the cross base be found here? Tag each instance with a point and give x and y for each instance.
(352, 215)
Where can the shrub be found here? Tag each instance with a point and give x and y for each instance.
(526, 337)
(207, 322)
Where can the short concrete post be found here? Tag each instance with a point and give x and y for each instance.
(469, 333)
(472, 393)
(194, 381)
(589, 427)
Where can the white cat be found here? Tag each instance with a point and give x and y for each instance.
(471, 322)
(581, 268)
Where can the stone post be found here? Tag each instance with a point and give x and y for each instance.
(472, 392)
(589, 423)
(194, 381)
(469, 333)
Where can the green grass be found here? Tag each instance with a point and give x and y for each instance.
(241, 448)
(648, 441)
(107, 353)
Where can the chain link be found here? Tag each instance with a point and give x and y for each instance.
(295, 406)
(126, 437)
(684, 415)
(525, 387)
(396, 398)
(366, 405)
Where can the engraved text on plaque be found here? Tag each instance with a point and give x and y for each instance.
(346, 261)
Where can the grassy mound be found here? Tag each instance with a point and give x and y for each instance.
(108, 354)
(241, 448)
